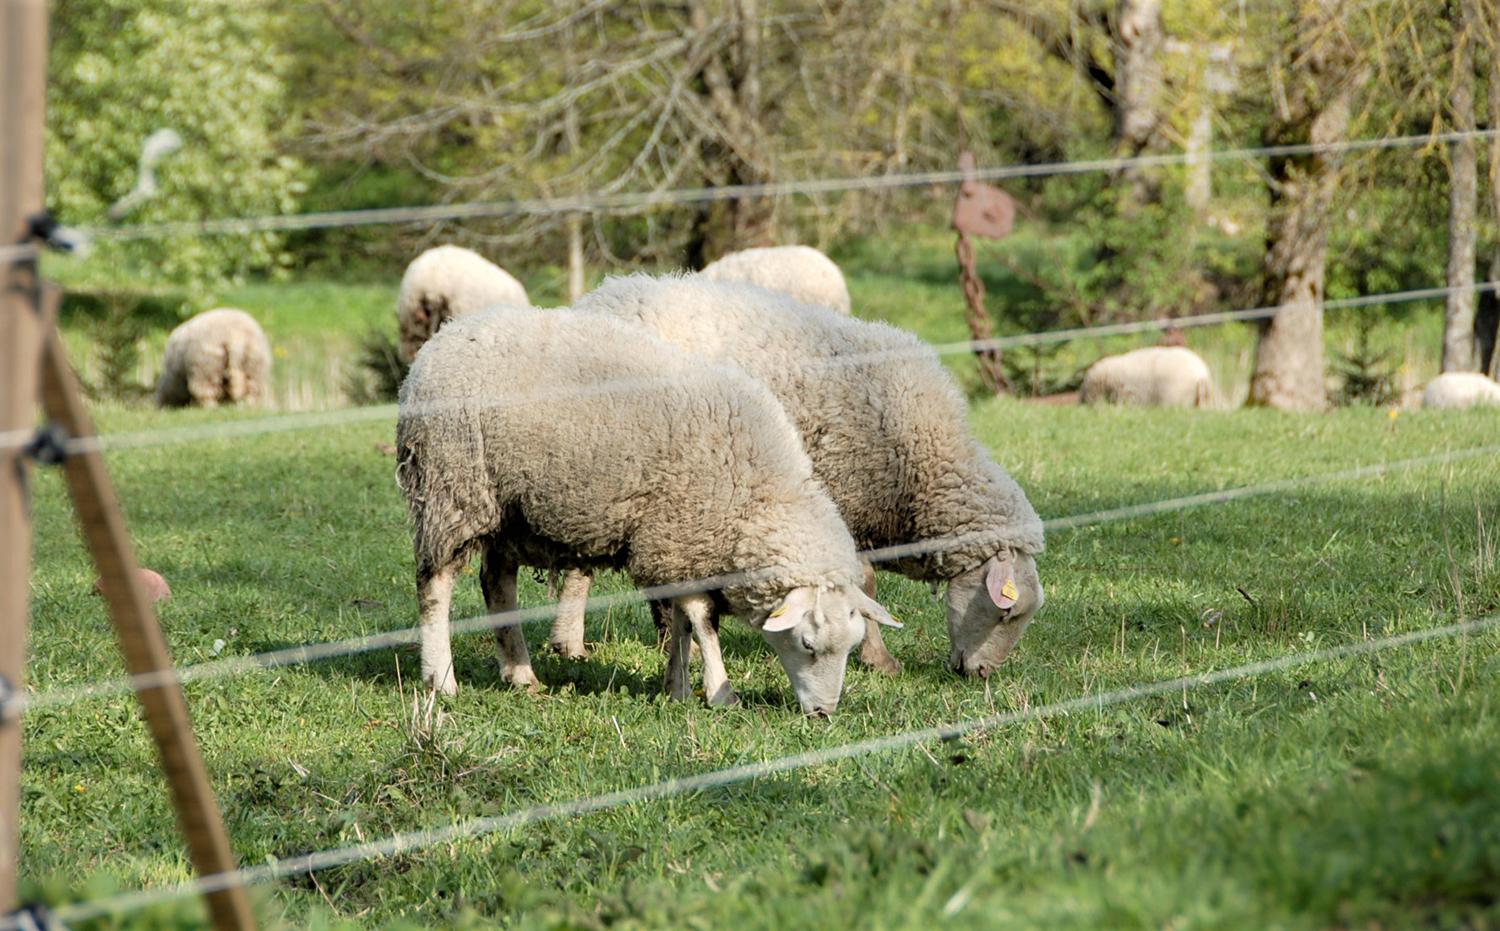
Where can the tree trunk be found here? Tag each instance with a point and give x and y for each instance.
(1317, 104)
(733, 92)
(1487, 320)
(1137, 86)
(1459, 351)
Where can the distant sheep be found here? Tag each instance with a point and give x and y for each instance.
(801, 271)
(446, 282)
(643, 458)
(219, 356)
(887, 431)
(1156, 376)
(1457, 390)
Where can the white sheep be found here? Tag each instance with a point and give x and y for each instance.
(446, 282)
(1155, 376)
(642, 458)
(220, 355)
(887, 431)
(801, 271)
(1456, 390)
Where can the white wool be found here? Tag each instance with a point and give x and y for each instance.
(1457, 390)
(1156, 376)
(801, 271)
(220, 355)
(446, 282)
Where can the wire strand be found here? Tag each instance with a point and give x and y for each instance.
(109, 442)
(414, 841)
(299, 655)
(640, 200)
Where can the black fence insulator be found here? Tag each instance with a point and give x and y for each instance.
(49, 446)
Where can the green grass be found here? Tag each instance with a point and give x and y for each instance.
(1359, 792)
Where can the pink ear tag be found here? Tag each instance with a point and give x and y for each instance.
(1001, 583)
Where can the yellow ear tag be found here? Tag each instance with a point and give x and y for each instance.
(1009, 589)
(778, 612)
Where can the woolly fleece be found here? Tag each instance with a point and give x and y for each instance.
(884, 424)
(1456, 390)
(801, 271)
(217, 356)
(446, 282)
(642, 458)
(1156, 376)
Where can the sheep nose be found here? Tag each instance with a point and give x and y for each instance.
(957, 665)
(820, 712)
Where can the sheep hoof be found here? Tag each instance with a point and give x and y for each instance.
(446, 685)
(723, 698)
(570, 650)
(524, 679)
(881, 661)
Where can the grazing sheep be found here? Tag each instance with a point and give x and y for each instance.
(1457, 390)
(643, 458)
(218, 355)
(1156, 376)
(446, 282)
(887, 431)
(801, 271)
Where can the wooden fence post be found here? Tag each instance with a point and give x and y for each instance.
(23, 77)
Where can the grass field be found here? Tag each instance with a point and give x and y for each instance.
(1357, 792)
(1354, 792)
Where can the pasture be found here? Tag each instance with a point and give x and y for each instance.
(1351, 792)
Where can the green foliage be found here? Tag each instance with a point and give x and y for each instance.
(1369, 375)
(378, 371)
(121, 69)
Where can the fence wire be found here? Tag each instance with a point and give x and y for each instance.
(419, 840)
(259, 426)
(645, 200)
(299, 655)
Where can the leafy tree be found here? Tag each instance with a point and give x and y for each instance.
(211, 70)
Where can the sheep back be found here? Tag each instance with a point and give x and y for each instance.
(801, 271)
(1457, 390)
(446, 282)
(581, 442)
(220, 355)
(1155, 376)
(884, 424)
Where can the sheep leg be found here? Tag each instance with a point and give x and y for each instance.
(873, 653)
(567, 628)
(700, 612)
(661, 616)
(497, 577)
(434, 597)
(678, 684)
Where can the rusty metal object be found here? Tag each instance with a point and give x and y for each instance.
(983, 210)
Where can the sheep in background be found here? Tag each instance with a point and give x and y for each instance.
(801, 271)
(887, 431)
(446, 282)
(220, 355)
(1457, 390)
(1156, 376)
(642, 458)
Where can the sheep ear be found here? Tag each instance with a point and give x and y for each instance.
(793, 608)
(876, 612)
(1000, 581)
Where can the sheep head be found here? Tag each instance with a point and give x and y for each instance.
(813, 632)
(988, 610)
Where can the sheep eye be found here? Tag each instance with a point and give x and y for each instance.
(807, 644)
